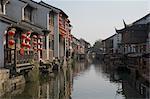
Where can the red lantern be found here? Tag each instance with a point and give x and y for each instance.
(35, 43)
(40, 43)
(28, 33)
(28, 46)
(39, 36)
(23, 44)
(34, 49)
(28, 39)
(22, 51)
(11, 33)
(23, 36)
(39, 49)
(11, 42)
(34, 36)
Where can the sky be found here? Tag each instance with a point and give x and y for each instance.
(97, 19)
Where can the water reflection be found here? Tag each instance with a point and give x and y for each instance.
(95, 84)
(80, 81)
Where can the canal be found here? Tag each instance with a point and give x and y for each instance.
(82, 80)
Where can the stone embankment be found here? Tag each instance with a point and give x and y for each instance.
(8, 84)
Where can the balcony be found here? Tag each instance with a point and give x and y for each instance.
(13, 59)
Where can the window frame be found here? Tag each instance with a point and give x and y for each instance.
(28, 13)
(51, 18)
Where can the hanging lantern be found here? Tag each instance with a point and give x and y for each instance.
(39, 49)
(35, 43)
(28, 33)
(63, 36)
(40, 37)
(28, 46)
(11, 42)
(34, 49)
(34, 36)
(28, 39)
(23, 44)
(23, 36)
(40, 43)
(11, 33)
(22, 51)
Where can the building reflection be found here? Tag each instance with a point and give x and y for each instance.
(59, 85)
(133, 86)
(18, 90)
(56, 85)
(80, 67)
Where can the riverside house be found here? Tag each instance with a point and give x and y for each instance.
(111, 48)
(61, 30)
(135, 42)
(111, 45)
(33, 32)
(23, 36)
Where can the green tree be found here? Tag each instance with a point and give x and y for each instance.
(98, 44)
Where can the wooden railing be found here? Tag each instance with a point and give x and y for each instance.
(14, 60)
(44, 55)
(25, 59)
(51, 55)
(9, 57)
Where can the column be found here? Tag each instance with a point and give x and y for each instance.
(39, 52)
(56, 35)
(47, 33)
(65, 47)
(47, 46)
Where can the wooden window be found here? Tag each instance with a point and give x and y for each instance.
(51, 45)
(28, 13)
(63, 21)
(136, 49)
(44, 42)
(144, 48)
(51, 18)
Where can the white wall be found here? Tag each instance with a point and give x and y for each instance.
(116, 41)
(61, 48)
(14, 10)
(56, 36)
(40, 15)
(3, 28)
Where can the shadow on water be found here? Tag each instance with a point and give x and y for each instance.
(133, 85)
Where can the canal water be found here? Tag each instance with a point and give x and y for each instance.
(82, 80)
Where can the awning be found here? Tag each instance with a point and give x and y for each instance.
(28, 26)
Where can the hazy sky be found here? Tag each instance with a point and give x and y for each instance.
(96, 19)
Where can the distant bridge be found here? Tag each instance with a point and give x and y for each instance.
(96, 54)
